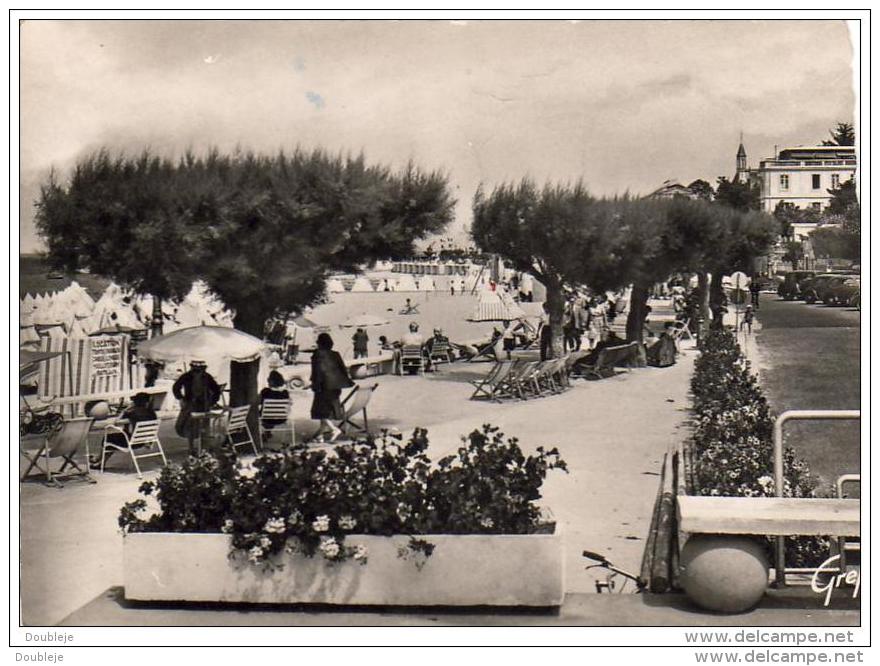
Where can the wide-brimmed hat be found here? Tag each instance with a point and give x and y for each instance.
(198, 363)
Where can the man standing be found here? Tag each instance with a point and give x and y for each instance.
(197, 392)
(755, 290)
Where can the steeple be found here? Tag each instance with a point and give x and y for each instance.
(741, 168)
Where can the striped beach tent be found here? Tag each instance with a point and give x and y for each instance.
(405, 283)
(362, 284)
(496, 306)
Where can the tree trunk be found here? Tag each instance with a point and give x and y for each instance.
(716, 299)
(556, 311)
(635, 319)
(158, 319)
(703, 312)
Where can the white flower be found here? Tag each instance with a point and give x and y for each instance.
(347, 522)
(487, 522)
(329, 547)
(403, 511)
(274, 526)
(294, 518)
(766, 482)
(321, 524)
(228, 525)
(265, 542)
(360, 552)
(255, 554)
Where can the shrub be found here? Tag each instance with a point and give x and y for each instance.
(310, 500)
(733, 439)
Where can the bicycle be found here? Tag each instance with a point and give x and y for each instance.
(610, 582)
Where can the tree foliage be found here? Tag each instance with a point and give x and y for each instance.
(702, 189)
(738, 195)
(842, 135)
(263, 231)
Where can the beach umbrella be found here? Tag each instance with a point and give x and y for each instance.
(363, 321)
(212, 344)
(29, 362)
(304, 322)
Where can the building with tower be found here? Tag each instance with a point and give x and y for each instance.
(801, 176)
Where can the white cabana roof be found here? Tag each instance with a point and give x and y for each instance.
(335, 286)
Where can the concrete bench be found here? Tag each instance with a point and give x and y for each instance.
(769, 516)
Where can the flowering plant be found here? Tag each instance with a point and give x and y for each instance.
(733, 438)
(310, 501)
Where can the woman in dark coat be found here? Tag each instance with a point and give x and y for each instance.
(329, 377)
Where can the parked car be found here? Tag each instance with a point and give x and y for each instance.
(811, 286)
(813, 289)
(790, 289)
(826, 292)
(843, 293)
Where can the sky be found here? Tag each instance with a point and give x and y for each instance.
(623, 105)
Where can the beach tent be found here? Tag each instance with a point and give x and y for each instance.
(362, 284)
(426, 283)
(405, 283)
(335, 286)
(496, 306)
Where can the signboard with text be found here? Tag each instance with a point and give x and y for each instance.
(106, 356)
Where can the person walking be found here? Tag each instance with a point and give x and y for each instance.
(545, 334)
(360, 339)
(755, 290)
(197, 392)
(329, 377)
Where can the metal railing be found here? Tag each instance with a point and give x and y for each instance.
(779, 461)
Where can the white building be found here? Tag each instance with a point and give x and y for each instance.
(801, 176)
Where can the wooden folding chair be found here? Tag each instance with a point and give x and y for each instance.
(144, 435)
(495, 384)
(276, 409)
(238, 432)
(62, 443)
(412, 356)
(439, 354)
(681, 330)
(355, 403)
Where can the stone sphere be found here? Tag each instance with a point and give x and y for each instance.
(724, 573)
(100, 410)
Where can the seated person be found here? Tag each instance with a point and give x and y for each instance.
(437, 337)
(141, 409)
(613, 340)
(274, 391)
(409, 308)
(413, 337)
(661, 354)
(384, 344)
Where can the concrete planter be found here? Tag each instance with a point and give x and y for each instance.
(464, 570)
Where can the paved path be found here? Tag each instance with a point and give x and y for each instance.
(809, 358)
(612, 433)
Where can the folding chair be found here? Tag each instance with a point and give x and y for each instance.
(62, 443)
(682, 329)
(439, 354)
(495, 384)
(276, 409)
(412, 356)
(237, 427)
(354, 403)
(144, 435)
(527, 378)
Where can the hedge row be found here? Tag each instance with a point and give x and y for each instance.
(733, 439)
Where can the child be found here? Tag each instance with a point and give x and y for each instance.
(748, 318)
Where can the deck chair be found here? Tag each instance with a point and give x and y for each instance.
(411, 310)
(276, 409)
(144, 435)
(552, 376)
(62, 443)
(412, 356)
(607, 359)
(238, 432)
(496, 382)
(681, 330)
(439, 354)
(524, 379)
(354, 404)
(485, 352)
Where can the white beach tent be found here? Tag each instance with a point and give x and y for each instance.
(405, 283)
(362, 284)
(335, 286)
(426, 283)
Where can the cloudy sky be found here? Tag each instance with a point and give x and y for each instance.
(623, 105)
